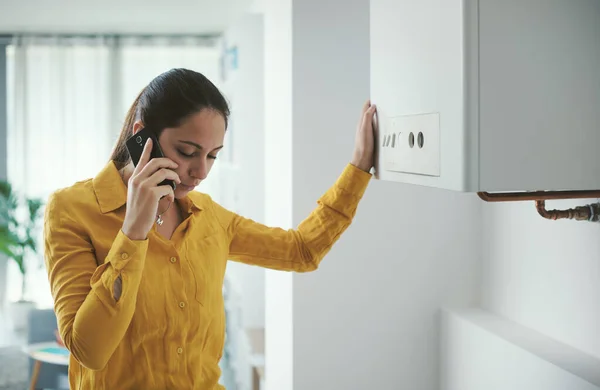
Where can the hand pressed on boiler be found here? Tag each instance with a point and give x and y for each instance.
(144, 193)
(364, 145)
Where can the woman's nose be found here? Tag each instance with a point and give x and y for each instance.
(199, 171)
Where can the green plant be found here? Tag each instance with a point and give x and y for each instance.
(18, 236)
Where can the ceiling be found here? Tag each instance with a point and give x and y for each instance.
(119, 16)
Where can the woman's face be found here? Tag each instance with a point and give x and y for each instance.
(194, 147)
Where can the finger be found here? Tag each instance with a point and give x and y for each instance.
(145, 157)
(162, 174)
(366, 106)
(155, 164)
(368, 116)
(371, 111)
(162, 191)
(375, 119)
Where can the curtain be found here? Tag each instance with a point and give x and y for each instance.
(67, 99)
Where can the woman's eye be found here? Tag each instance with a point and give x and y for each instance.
(182, 153)
(185, 154)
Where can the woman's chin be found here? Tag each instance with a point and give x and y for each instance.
(181, 192)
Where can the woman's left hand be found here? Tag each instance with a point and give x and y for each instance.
(364, 144)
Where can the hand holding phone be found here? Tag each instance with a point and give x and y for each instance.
(146, 189)
(135, 146)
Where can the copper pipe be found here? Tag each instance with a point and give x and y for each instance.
(590, 212)
(537, 195)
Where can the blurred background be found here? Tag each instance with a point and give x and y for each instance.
(69, 71)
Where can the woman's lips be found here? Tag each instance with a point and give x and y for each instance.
(187, 187)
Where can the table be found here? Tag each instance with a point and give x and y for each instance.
(48, 352)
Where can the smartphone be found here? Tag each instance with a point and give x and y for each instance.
(135, 146)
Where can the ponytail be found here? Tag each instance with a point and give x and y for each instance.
(120, 155)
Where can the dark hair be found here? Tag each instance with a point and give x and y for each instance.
(167, 101)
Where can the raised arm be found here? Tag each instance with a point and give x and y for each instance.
(302, 249)
(91, 321)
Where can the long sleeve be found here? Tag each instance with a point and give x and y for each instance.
(91, 323)
(300, 249)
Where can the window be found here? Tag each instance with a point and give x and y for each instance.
(67, 98)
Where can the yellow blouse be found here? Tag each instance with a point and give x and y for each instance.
(167, 330)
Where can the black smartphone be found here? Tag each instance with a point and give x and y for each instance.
(135, 146)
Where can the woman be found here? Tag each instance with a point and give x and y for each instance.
(139, 304)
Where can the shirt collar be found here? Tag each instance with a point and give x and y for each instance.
(111, 192)
(192, 202)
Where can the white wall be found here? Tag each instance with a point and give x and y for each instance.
(539, 327)
(279, 343)
(485, 351)
(544, 274)
(369, 317)
(244, 88)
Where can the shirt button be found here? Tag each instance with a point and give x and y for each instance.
(173, 259)
(182, 304)
(124, 256)
(180, 350)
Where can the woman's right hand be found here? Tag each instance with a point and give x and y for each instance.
(144, 193)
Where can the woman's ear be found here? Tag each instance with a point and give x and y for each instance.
(137, 126)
